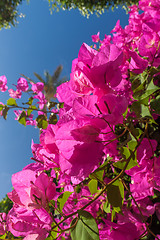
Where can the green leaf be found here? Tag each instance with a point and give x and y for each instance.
(3, 236)
(151, 88)
(115, 195)
(53, 119)
(141, 110)
(60, 105)
(136, 108)
(98, 174)
(11, 102)
(30, 109)
(145, 101)
(154, 70)
(126, 154)
(113, 215)
(22, 118)
(125, 113)
(42, 121)
(155, 105)
(93, 186)
(50, 238)
(135, 132)
(86, 227)
(132, 144)
(30, 101)
(145, 111)
(2, 107)
(5, 112)
(107, 207)
(62, 199)
(122, 163)
(53, 234)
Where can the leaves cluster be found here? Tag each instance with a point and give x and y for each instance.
(87, 7)
(8, 12)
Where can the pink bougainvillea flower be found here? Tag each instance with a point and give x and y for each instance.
(113, 231)
(42, 100)
(149, 47)
(15, 94)
(29, 119)
(22, 84)
(79, 151)
(45, 158)
(112, 107)
(17, 113)
(105, 41)
(3, 223)
(105, 67)
(86, 54)
(128, 230)
(42, 190)
(146, 206)
(32, 225)
(142, 184)
(95, 38)
(137, 64)
(80, 83)
(21, 182)
(3, 83)
(32, 191)
(65, 94)
(37, 87)
(131, 219)
(84, 107)
(47, 139)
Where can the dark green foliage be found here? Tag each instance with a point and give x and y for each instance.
(8, 12)
(5, 204)
(87, 7)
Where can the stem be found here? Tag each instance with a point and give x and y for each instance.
(29, 108)
(131, 132)
(112, 140)
(57, 210)
(66, 229)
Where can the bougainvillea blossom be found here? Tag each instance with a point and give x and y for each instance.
(3, 83)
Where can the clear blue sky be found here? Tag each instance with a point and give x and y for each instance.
(40, 41)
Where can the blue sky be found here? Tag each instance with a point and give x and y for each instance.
(39, 42)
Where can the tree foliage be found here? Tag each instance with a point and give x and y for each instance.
(8, 12)
(5, 204)
(87, 7)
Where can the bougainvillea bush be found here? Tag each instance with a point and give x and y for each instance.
(96, 170)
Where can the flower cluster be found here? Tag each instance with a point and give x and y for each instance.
(96, 169)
